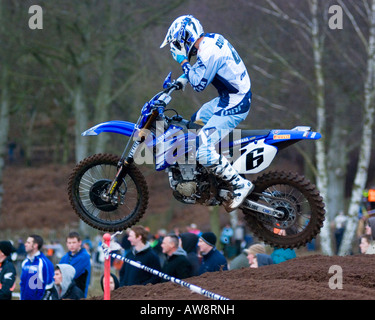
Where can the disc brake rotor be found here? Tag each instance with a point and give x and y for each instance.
(287, 206)
(96, 191)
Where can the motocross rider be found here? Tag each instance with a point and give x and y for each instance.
(217, 63)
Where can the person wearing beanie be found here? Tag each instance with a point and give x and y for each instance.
(114, 283)
(7, 270)
(189, 242)
(212, 259)
(256, 254)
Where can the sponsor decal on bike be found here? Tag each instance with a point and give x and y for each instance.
(281, 136)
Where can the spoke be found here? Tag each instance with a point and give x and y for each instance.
(128, 194)
(294, 203)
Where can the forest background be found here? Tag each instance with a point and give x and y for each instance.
(312, 62)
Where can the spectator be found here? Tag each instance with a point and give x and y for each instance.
(367, 246)
(226, 238)
(87, 244)
(371, 198)
(55, 251)
(256, 254)
(113, 282)
(280, 254)
(11, 147)
(189, 242)
(21, 251)
(370, 227)
(7, 270)
(192, 228)
(141, 252)
(239, 261)
(65, 286)
(37, 271)
(177, 264)
(80, 259)
(21, 255)
(157, 245)
(99, 255)
(339, 227)
(239, 237)
(212, 259)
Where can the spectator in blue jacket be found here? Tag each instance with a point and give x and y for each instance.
(141, 252)
(280, 255)
(80, 259)
(37, 271)
(212, 259)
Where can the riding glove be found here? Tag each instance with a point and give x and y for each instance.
(178, 54)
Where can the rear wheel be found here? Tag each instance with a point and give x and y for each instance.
(297, 198)
(88, 182)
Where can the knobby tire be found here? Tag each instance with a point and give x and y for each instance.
(121, 223)
(311, 194)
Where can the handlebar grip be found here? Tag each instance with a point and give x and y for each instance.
(179, 85)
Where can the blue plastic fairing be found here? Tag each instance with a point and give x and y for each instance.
(116, 126)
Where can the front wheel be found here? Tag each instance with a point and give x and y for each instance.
(88, 182)
(297, 198)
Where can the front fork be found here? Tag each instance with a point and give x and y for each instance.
(124, 164)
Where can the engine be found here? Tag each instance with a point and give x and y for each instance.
(190, 184)
(186, 189)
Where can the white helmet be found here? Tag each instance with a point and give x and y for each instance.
(185, 30)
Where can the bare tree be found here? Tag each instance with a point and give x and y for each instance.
(9, 53)
(368, 118)
(331, 154)
(311, 32)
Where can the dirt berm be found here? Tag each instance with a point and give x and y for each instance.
(313, 277)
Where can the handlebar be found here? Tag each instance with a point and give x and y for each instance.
(173, 86)
(163, 98)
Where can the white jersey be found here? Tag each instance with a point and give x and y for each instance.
(218, 63)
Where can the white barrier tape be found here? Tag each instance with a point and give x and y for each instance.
(162, 275)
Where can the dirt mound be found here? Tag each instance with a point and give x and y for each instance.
(304, 278)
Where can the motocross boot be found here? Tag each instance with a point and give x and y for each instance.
(241, 187)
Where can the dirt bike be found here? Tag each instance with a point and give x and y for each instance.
(110, 193)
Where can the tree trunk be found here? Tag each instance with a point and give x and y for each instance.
(103, 97)
(4, 125)
(81, 122)
(322, 180)
(336, 168)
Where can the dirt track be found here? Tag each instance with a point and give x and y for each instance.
(305, 278)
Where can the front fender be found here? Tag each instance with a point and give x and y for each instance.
(116, 126)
